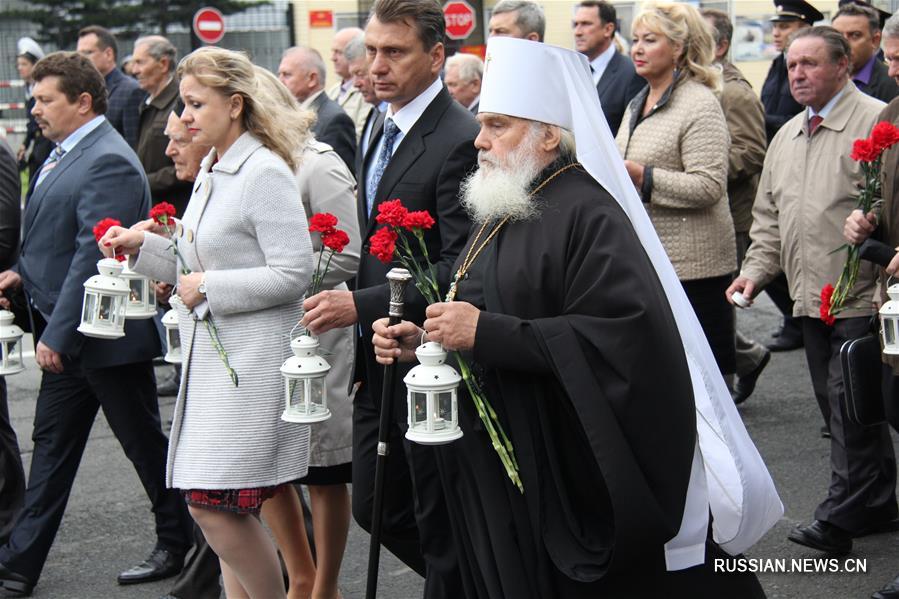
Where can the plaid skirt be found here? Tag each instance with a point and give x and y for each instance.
(237, 501)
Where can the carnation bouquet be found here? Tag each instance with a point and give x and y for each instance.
(395, 241)
(333, 239)
(869, 154)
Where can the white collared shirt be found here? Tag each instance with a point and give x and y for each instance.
(80, 133)
(827, 107)
(404, 118)
(600, 63)
(474, 102)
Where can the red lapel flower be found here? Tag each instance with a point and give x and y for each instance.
(382, 244)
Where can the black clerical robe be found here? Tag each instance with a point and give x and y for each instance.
(582, 360)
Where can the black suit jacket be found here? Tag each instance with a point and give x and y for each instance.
(617, 87)
(335, 128)
(881, 86)
(124, 98)
(425, 173)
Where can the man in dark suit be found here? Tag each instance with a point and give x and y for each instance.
(302, 71)
(420, 156)
(12, 476)
(91, 174)
(124, 95)
(860, 25)
(153, 62)
(616, 80)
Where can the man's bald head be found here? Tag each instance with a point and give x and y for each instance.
(341, 38)
(184, 152)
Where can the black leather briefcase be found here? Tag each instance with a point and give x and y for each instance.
(861, 364)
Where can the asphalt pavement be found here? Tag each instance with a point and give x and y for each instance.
(108, 526)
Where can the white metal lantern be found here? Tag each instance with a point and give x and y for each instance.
(172, 336)
(432, 396)
(10, 345)
(889, 322)
(105, 296)
(142, 298)
(306, 400)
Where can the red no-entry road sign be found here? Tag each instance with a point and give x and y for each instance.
(460, 19)
(209, 25)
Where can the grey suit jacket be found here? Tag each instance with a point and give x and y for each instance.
(616, 88)
(99, 178)
(335, 128)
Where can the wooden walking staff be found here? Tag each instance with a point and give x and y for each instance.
(397, 279)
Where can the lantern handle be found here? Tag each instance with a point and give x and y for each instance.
(290, 334)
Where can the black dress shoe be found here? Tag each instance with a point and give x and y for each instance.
(13, 584)
(890, 591)
(822, 536)
(162, 563)
(786, 341)
(745, 385)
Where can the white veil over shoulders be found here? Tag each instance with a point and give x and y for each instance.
(553, 85)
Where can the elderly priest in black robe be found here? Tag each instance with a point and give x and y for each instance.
(588, 351)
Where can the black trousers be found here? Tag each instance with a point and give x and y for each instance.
(863, 468)
(12, 476)
(67, 405)
(415, 523)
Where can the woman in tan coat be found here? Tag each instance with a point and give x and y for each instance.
(675, 144)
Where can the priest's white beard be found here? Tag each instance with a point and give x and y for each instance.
(501, 188)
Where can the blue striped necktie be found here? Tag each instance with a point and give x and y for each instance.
(390, 133)
(49, 164)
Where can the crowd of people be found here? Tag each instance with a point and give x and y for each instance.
(602, 216)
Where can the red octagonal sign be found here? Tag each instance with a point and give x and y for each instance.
(209, 25)
(460, 19)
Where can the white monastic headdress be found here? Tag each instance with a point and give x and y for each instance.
(536, 81)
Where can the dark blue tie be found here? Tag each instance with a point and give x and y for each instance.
(390, 133)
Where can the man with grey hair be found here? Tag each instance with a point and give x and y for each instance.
(344, 92)
(463, 79)
(860, 25)
(518, 18)
(354, 53)
(806, 190)
(302, 71)
(885, 227)
(153, 61)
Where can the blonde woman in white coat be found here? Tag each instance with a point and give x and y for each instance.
(247, 245)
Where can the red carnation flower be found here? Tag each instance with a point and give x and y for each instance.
(884, 135)
(826, 316)
(383, 244)
(161, 213)
(323, 222)
(392, 213)
(103, 226)
(335, 240)
(420, 219)
(863, 150)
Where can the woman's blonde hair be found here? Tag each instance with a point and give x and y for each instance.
(280, 130)
(275, 93)
(686, 29)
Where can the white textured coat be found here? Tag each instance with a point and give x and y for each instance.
(245, 228)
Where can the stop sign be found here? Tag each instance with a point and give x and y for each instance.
(460, 20)
(209, 25)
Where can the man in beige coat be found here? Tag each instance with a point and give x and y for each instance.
(808, 188)
(745, 118)
(344, 92)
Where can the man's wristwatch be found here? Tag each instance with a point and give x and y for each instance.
(202, 287)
